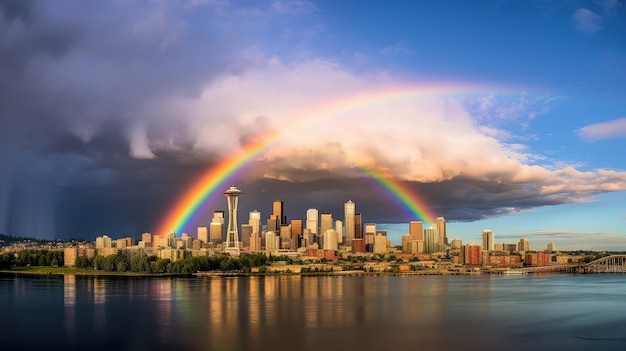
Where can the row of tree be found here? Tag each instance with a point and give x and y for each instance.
(151, 264)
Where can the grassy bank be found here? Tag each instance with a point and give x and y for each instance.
(76, 271)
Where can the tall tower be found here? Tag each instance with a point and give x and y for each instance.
(431, 238)
(232, 236)
(279, 212)
(488, 243)
(349, 210)
(441, 230)
(311, 220)
(255, 221)
(416, 229)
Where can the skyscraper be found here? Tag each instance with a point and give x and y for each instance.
(311, 220)
(488, 243)
(349, 209)
(279, 212)
(431, 238)
(358, 226)
(232, 236)
(441, 230)
(326, 222)
(416, 229)
(339, 230)
(255, 221)
(203, 234)
(216, 228)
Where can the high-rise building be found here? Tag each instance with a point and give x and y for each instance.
(456, 244)
(330, 240)
(349, 210)
(358, 226)
(441, 230)
(203, 234)
(246, 234)
(416, 229)
(273, 224)
(326, 222)
(232, 235)
(523, 245)
(311, 220)
(216, 227)
(380, 244)
(551, 247)
(272, 242)
(339, 230)
(255, 221)
(370, 233)
(488, 242)
(297, 232)
(431, 238)
(279, 212)
(285, 236)
(187, 241)
(255, 242)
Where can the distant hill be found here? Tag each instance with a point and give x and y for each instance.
(8, 239)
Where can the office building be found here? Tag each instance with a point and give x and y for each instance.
(339, 230)
(330, 240)
(312, 220)
(254, 220)
(431, 238)
(349, 210)
(246, 234)
(472, 254)
(523, 245)
(488, 241)
(216, 227)
(441, 230)
(416, 229)
(203, 234)
(358, 226)
(279, 212)
(380, 244)
(551, 247)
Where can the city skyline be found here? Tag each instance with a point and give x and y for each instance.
(110, 112)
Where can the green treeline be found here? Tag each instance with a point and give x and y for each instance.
(52, 258)
(152, 264)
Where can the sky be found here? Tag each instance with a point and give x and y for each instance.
(501, 115)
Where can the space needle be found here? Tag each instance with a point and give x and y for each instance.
(232, 235)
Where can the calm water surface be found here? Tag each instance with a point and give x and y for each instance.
(537, 312)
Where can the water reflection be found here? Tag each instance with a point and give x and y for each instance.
(309, 313)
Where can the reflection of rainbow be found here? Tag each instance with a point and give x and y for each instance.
(208, 182)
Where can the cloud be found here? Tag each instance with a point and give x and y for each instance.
(113, 116)
(604, 130)
(587, 21)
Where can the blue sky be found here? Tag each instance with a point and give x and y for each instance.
(110, 110)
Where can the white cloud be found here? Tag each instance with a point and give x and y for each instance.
(604, 130)
(587, 21)
(139, 144)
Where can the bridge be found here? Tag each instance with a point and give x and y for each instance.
(608, 264)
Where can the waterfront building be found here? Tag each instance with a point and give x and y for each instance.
(232, 235)
(523, 245)
(349, 210)
(538, 259)
(441, 230)
(416, 229)
(431, 238)
(312, 220)
(488, 241)
(203, 234)
(472, 255)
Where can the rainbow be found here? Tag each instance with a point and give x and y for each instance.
(213, 178)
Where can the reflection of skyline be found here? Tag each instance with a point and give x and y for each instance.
(69, 300)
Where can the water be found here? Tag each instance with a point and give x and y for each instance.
(537, 312)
